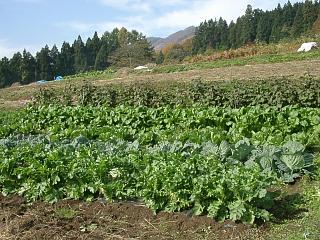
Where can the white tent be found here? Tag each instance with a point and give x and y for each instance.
(306, 47)
(141, 68)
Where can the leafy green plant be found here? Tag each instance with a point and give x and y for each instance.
(279, 92)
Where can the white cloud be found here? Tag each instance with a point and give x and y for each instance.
(86, 27)
(7, 50)
(199, 11)
(167, 16)
(136, 5)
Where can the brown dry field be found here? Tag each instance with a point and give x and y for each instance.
(18, 96)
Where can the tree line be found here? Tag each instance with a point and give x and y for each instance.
(121, 48)
(289, 21)
(117, 48)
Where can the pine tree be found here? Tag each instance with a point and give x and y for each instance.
(5, 73)
(248, 32)
(55, 61)
(264, 28)
(45, 65)
(288, 14)
(28, 68)
(67, 59)
(109, 43)
(298, 25)
(80, 58)
(223, 33)
(15, 65)
(92, 46)
(310, 14)
(277, 21)
(160, 58)
(232, 36)
(101, 61)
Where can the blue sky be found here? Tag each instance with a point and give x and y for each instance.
(31, 24)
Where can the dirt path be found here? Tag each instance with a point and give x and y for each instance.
(19, 95)
(99, 220)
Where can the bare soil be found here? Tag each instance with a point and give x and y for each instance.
(101, 220)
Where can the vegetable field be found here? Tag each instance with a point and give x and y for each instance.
(223, 150)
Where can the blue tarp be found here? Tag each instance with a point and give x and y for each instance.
(58, 78)
(42, 81)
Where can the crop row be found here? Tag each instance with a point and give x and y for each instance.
(152, 125)
(278, 92)
(225, 181)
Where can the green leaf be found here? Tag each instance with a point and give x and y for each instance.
(293, 162)
(236, 210)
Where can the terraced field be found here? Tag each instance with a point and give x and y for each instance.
(198, 153)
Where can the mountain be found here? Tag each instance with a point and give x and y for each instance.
(175, 38)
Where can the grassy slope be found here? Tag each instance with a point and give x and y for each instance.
(242, 61)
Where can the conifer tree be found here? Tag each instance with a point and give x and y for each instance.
(15, 66)
(28, 68)
(67, 59)
(160, 57)
(80, 58)
(298, 25)
(45, 65)
(5, 73)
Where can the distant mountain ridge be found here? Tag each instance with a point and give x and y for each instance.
(175, 38)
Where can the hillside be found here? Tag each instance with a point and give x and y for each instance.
(175, 38)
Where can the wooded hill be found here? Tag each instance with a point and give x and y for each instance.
(289, 21)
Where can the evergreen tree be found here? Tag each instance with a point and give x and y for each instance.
(15, 66)
(5, 73)
(93, 47)
(248, 32)
(223, 34)
(45, 65)
(200, 40)
(310, 14)
(80, 58)
(28, 68)
(67, 59)
(160, 58)
(288, 15)
(232, 36)
(264, 28)
(55, 61)
(277, 23)
(101, 61)
(109, 43)
(298, 25)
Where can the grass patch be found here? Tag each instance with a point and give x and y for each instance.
(305, 224)
(258, 59)
(65, 213)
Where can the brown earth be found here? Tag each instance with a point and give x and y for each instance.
(101, 220)
(17, 96)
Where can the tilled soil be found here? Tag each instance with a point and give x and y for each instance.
(101, 220)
